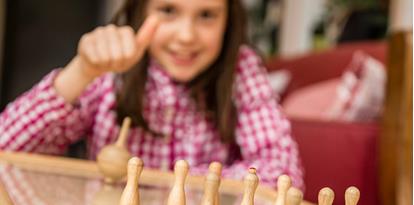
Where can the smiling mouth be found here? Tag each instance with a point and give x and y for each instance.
(183, 59)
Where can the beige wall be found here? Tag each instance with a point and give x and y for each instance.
(401, 15)
(296, 28)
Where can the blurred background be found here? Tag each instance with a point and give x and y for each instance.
(39, 35)
(341, 70)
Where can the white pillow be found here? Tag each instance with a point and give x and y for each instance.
(279, 80)
(360, 95)
(357, 95)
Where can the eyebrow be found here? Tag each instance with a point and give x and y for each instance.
(213, 5)
(215, 8)
(206, 5)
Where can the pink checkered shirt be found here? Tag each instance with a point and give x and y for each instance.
(41, 121)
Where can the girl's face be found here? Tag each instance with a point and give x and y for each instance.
(190, 35)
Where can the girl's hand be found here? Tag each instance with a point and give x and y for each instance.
(113, 48)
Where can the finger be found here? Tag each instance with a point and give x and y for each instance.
(87, 51)
(114, 47)
(101, 48)
(146, 33)
(127, 37)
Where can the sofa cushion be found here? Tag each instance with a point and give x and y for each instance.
(360, 94)
(320, 66)
(338, 155)
(313, 101)
(357, 96)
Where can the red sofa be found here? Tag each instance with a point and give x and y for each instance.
(334, 154)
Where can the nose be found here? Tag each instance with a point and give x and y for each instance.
(186, 32)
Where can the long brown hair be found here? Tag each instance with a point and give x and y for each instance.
(211, 90)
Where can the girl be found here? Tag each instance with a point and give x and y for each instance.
(193, 89)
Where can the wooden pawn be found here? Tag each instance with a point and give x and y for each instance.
(211, 186)
(294, 196)
(283, 184)
(177, 193)
(250, 184)
(326, 196)
(112, 159)
(130, 195)
(352, 196)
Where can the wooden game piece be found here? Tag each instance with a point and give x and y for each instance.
(113, 159)
(210, 189)
(326, 196)
(177, 194)
(4, 196)
(216, 168)
(130, 195)
(211, 185)
(294, 196)
(250, 184)
(283, 184)
(351, 196)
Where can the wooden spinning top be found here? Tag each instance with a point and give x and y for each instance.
(113, 159)
(107, 195)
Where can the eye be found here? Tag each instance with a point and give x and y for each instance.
(167, 10)
(208, 14)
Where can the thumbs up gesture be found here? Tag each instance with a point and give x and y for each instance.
(114, 49)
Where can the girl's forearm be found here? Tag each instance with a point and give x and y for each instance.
(72, 80)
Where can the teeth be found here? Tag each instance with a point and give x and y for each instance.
(187, 55)
(184, 56)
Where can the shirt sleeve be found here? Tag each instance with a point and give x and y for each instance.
(263, 132)
(42, 121)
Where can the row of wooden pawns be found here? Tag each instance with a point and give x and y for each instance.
(286, 194)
